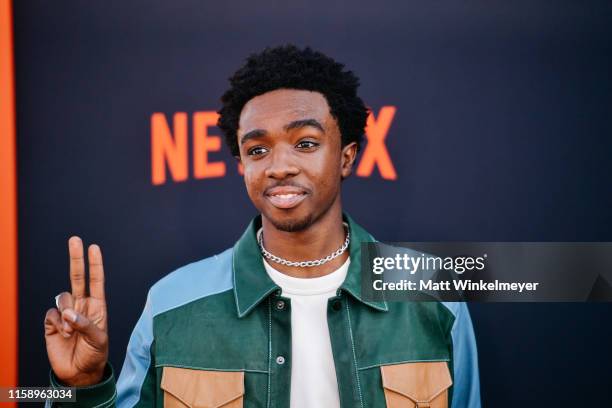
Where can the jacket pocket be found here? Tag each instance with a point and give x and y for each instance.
(202, 389)
(416, 385)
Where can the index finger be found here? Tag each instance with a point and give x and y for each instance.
(77, 267)
(96, 272)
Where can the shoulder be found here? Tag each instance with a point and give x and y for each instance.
(455, 308)
(462, 322)
(191, 282)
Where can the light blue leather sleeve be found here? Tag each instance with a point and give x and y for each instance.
(466, 387)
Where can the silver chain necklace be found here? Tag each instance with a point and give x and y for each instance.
(304, 264)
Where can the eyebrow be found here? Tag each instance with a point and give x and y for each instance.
(253, 134)
(296, 124)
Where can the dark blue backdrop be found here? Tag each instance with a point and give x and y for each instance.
(502, 132)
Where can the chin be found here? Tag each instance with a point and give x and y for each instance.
(291, 224)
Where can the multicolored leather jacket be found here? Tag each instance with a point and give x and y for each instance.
(217, 333)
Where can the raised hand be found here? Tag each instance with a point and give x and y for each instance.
(76, 334)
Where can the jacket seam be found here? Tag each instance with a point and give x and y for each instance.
(455, 319)
(269, 348)
(402, 362)
(451, 332)
(155, 313)
(107, 403)
(384, 308)
(348, 318)
(234, 283)
(247, 370)
(256, 302)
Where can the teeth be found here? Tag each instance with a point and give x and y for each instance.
(286, 195)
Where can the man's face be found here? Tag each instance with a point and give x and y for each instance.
(291, 150)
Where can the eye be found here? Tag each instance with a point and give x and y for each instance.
(306, 144)
(257, 151)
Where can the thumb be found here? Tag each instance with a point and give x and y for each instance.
(95, 336)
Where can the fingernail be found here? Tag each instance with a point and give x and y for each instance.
(66, 335)
(71, 315)
(66, 327)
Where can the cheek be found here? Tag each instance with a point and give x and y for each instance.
(329, 176)
(332, 168)
(251, 181)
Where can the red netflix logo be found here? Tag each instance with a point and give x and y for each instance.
(170, 147)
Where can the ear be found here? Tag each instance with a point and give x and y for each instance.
(349, 153)
(240, 165)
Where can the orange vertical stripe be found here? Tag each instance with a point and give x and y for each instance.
(169, 147)
(204, 143)
(8, 203)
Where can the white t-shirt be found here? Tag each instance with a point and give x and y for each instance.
(313, 373)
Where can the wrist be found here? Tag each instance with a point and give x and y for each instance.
(85, 379)
(101, 394)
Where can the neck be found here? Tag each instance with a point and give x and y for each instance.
(320, 239)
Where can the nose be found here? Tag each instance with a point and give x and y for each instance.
(281, 164)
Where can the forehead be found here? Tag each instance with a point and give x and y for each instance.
(275, 109)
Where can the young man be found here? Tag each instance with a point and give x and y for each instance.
(278, 320)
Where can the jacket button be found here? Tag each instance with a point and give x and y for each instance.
(280, 305)
(337, 305)
(280, 360)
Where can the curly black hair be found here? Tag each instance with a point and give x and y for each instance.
(289, 67)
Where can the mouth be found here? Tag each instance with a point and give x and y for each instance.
(285, 197)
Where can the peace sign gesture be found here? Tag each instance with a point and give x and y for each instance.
(76, 334)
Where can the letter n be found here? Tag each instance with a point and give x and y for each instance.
(169, 150)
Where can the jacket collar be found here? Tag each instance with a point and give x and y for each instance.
(251, 281)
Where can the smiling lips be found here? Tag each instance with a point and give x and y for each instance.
(285, 197)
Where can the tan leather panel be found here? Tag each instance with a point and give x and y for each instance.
(185, 387)
(416, 385)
